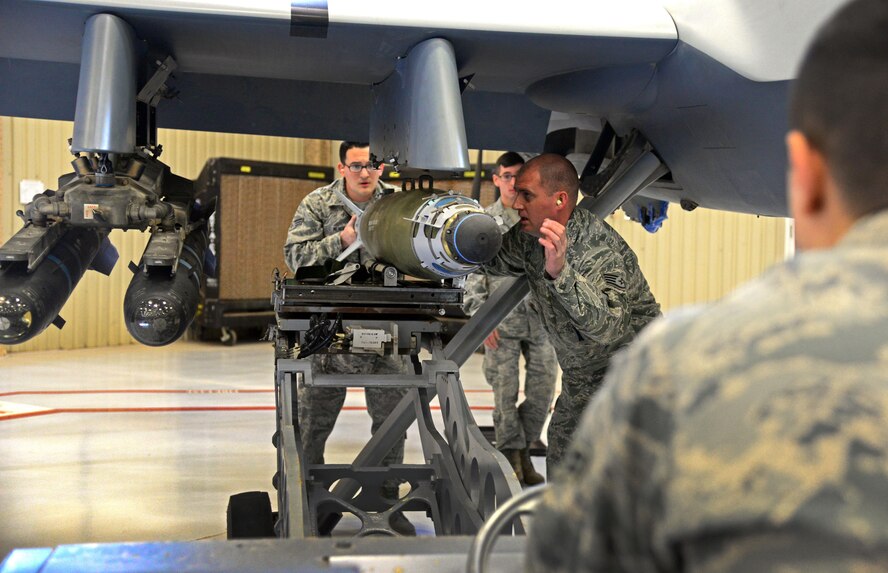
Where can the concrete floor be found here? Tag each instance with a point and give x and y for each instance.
(142, 444)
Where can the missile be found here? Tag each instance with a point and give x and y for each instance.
(31, 301)
(426, 233)
(159, 305)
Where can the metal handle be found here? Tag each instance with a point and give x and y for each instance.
(523, 504)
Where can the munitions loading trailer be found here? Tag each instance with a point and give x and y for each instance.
(464, 478)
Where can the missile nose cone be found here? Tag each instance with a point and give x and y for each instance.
(15, 320)
(155, 322)
(476, 238)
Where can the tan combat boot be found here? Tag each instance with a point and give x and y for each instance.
(514, 457)
(531, 477)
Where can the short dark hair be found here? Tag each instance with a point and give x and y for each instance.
(346, 145)
(556, 174)
(840, 102)
(508, 159)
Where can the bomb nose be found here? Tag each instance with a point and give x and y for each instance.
(476, 238)
(156, 321)
(15, 320)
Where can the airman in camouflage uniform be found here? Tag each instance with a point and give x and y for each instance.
(584, 280)
(313, 239)
(520, 333)
(752, 434)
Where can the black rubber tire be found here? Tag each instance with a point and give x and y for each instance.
(249, 516)
(228, 336)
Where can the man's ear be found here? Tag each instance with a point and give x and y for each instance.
(807, 176)
(341, 169)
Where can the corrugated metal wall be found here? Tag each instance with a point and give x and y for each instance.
(696, 257)
(700, 256)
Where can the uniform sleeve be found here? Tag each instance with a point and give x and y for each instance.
(476, 292)
(605, 501)
(306, 243)
(509, 261)
(595, 292)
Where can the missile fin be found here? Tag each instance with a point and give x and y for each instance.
(58, 322)
(358, 213)
(351, 249)
(106, 258)
(209, 263)
(350, 205)
(343, 275)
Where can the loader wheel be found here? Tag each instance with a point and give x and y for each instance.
(250, 516)
(228, 336)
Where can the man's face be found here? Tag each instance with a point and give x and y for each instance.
(505, 182)
(533, 202)
(359, 185)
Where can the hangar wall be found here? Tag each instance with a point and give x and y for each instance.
(695, 257)
(700, 256)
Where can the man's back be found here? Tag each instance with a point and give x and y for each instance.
(750, 435)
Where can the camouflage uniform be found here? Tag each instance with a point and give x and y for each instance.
(595, 306)
(520, 333)
(313, 239)
(749, 437)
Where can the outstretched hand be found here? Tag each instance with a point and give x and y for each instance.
(553, 238)
(348, 235)
(492, 340)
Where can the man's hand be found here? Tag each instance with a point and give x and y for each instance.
(348, 235)
(553, 238)
(492, 340)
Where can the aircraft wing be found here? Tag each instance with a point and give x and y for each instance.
(705, 81)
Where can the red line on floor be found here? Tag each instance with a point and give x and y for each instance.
(146, 391)
(4, 418)
(130, 410)
(158, 391)
(163, 409)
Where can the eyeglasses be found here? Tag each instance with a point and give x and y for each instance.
(507, 177)
(358, 167)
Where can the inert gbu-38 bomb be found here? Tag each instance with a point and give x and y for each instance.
(31, 301)
(427, 233)
(159, 306)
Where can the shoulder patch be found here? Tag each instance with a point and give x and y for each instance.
(615, 280)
